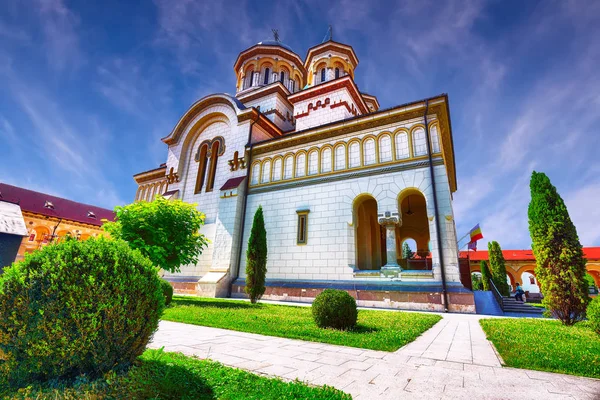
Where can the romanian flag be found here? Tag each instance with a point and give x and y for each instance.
(476, 233)
(472, 246)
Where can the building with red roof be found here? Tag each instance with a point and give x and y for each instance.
(48, 218)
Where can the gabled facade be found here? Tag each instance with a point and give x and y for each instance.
(342, 183)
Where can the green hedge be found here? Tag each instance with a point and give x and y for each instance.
(167, 290)
(593, 314)
(335, 309)
(77, 307)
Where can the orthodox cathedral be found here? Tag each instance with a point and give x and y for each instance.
(342, 184)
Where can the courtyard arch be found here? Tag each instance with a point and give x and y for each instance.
(370, 236)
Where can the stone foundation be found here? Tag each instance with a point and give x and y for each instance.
(403, 295)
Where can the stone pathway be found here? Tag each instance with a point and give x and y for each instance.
(451, 360)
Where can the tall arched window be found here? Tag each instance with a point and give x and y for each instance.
(419, 142)
(202, 161)
(385, 148)
(435, 139)
(214, 155)
(322, 74)
(369, 151)
(277, 169)
(292, 86)
(326, 160)
(266, 172)
(337, 73)
(313, 162)
(266, 81)
(255, 173)
(288, 166)
(340, 157)
(354, 153)
(300, 164)
(281, 76)
(402, 150)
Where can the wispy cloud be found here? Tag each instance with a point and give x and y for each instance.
(59, 25)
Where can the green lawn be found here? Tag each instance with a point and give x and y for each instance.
(174, 376)
(546, 345)
(376, 330)
(540, 305)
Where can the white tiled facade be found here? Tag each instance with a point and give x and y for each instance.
(288, 172)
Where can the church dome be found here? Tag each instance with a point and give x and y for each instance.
(275, 43)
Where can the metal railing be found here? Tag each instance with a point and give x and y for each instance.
(497, 295)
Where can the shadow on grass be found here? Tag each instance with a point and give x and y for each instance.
(161, 379)
(364, 329)
(214, 304)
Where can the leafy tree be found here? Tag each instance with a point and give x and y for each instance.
(498, 268)
(486, 276)
(559, 256)
(407, 253)
(165, 231)
(256, 258)
(476, 282)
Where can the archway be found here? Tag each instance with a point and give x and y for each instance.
(414, 225)
(370, 236)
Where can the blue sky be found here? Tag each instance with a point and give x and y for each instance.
(89, 89)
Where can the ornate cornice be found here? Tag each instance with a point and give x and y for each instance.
(331, 45)
(152, 174)
(258, 49)
(329, 86)
(275, 87)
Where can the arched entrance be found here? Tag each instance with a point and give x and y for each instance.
(414, 225)
(370, 236)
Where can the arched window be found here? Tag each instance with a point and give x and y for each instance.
(435, 139)
(340, 157)
(313, 162)
(385, 148)
(419, 142)
(281, 76)
(277, 169)
(266, 172)
(202, 161)
(354, 150)
(402, 150)
(255, 173)
(300, 164)
(337, 73)
(322, 74)
(292, 86)
(369, 151)
(266, 81)
(288, 167)
(214, 156)
(326, 160)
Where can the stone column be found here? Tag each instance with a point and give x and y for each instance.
(390, 221)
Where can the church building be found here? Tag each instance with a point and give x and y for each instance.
(342, 184)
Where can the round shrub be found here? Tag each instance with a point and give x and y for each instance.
(593, 314)
(167, 289)
(334, 309)
(77, 307)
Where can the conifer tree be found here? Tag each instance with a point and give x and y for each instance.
(485, 276)
(256, 258)
(498, 268)
(407, 253)
(560, 265)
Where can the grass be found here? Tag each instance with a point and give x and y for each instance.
(540, 305)
(376, 330)
(161, 375)
(546, 345)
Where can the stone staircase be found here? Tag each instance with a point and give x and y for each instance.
(510, 305)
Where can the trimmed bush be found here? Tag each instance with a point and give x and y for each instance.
(167, 290)
(256, 258)
(593, 314)
(335, 309)
(75, 308)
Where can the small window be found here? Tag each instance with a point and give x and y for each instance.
(281, 76)
(302, 237)
(32, 237)
(337, 73)
(532, 280)
(266, 81)
(91, 214)
(292, 86)
(49, 205)
(323, 75)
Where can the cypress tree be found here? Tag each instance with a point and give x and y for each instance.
(485, 276)
(406, 251)
(560, 265)
(498, 268)
(256, 258)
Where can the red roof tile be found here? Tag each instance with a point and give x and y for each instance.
(232, 183)
(591, 253)
(35, 202)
